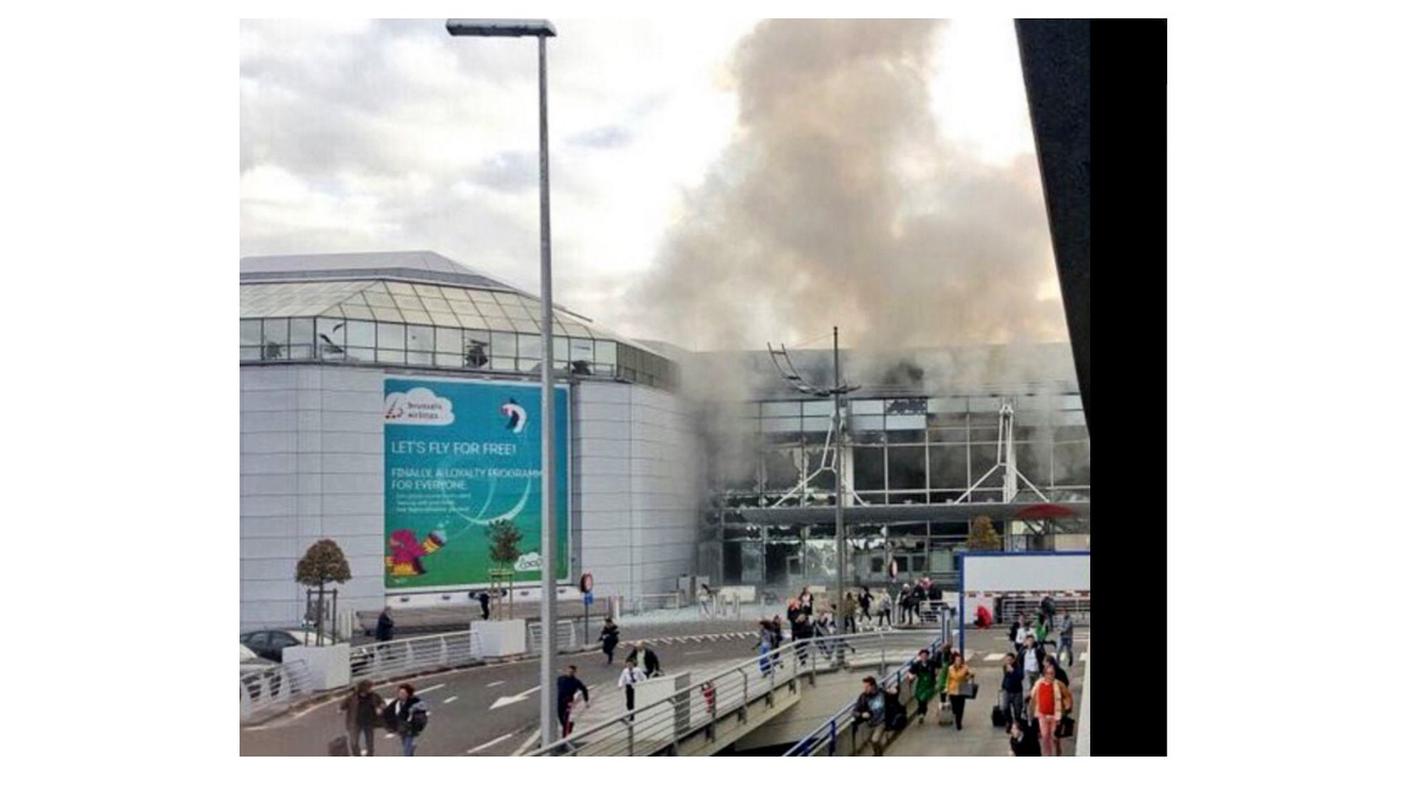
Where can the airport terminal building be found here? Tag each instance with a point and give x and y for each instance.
(389, 401)
(332, 346)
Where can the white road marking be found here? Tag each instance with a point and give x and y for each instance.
(391, 735)
(994, 656)
(491, 742)
(532, 738)
(1082, 657)
(451, 698)
(504, 701)
(701, 651)
(423, 691)
(492, 684)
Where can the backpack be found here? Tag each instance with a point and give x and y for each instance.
(418, 720)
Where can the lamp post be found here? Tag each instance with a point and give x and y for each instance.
(541, 29)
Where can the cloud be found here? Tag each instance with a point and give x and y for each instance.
(374, 135)
(602, 137)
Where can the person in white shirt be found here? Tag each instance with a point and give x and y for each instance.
(1024, 631)
(630, 677)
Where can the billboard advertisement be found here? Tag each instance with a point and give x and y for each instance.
(463, 460)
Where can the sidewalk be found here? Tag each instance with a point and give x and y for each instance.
(979, 737)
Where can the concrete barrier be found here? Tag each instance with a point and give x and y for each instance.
(328, 666)
(501, 638)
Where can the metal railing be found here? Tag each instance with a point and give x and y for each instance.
(412, 655)
(569, 636)
(274, 688)
(647, 602)
(1009, 606)
(662, 725)
(835, 735)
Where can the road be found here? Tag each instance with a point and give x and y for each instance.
(492, 710)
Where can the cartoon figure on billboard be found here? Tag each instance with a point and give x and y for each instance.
(406, 552)
(517, 416)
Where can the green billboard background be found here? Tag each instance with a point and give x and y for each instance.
(460, 454)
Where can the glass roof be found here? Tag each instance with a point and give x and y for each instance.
(409, 303)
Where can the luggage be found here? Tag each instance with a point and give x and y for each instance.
(999, 718)
(968, 689)
(944, 717)
(338, 746)
(1067, 727)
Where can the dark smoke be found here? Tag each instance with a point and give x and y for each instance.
(839, 203)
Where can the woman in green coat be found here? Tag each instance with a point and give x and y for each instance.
(922, 673)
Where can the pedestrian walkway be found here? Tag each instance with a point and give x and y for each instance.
(979, 737)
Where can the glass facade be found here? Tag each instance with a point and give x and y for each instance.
(901, 450)
(387, 322)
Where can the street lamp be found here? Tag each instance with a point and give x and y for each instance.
(542, 29)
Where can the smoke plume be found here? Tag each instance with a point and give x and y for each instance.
(838, 202)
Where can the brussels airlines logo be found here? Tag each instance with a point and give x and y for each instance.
(517, 416)
(419, 406)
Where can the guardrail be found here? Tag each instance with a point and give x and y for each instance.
(275, 687)
(659, 727)
(671, 599)
(412, 655)
(569, 636)
(835, 735)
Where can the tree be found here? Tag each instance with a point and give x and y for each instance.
(323, 563)
(504, 539)
(982, 536)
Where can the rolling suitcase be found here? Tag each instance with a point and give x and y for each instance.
(338, 746)
(999, 718)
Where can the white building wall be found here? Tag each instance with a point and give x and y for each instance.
(635, 471)
(310, 467)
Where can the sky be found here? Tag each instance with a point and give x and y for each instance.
(392, 135)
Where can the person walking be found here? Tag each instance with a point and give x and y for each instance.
(704, 595)
(408, 716)
(1012, 635)
(644, 657)
(805, 600)
(848, 612)
(568, 686)
(630, 677)
(776, 631)
(610, 636)
(960, 677)
(802, 632)
(484, 603)
(1023, 631)
(1050, 698)
(363, 707)
(866, 600)
(1032, 657)
(906, 602)
(1022, 738)
(1050, 660)
(869, 714)
(944, 660)
(385, 627)
(883, 606)
(1067, 631)
(1013, 689)
(764, 647)
(923, 674)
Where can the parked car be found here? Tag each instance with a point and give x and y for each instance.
(270, 644)
(251, 662)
